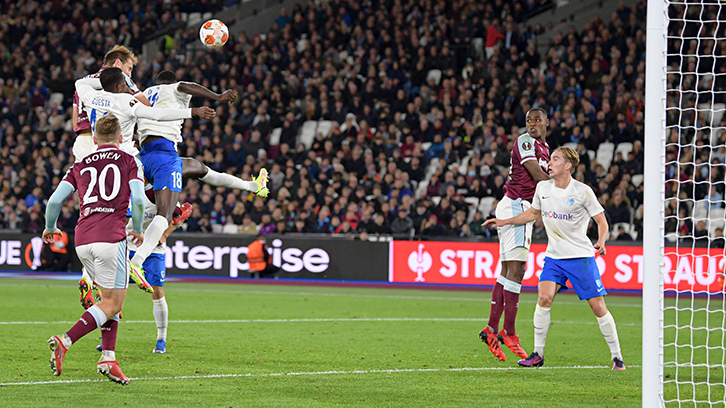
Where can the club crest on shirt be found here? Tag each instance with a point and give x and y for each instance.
(86, 211)
(527, 146)
(571, 201)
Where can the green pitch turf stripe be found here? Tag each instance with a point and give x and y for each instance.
(313, 373)
(564, 299)
(382, 319)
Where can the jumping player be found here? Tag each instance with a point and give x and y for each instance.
(105, 181)
(566, 206)
(122, 58)
(116, 98)
(165, 169)
(529, 159)
(118, 57)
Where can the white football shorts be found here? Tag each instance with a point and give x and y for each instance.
(107, 263)
(514, 240)
(83, 146)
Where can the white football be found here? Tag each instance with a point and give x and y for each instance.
(214, 34)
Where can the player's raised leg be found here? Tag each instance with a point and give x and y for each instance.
(163, 168)
(195, 169)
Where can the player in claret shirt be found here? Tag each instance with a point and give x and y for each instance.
(105, 179)
(566, 206)
(529, 158)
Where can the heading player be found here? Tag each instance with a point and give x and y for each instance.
(119, 57)
(116, 97)
(529, 158)
(165, 169)
(566, 206)
(105, 181)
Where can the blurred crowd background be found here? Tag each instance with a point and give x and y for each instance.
(377, 118)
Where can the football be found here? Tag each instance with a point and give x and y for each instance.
(214, 34)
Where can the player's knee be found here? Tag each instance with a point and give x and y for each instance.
(598, 307)
(158, 292)
(545, 299)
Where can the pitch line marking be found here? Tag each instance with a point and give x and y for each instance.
(311, 373)
(322, 320)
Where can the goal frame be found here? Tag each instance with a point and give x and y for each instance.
(654, 197)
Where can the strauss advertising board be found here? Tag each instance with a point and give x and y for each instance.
(470, 263)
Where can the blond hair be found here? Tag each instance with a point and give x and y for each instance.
(570, 155)
(119, 52)
(108, 129)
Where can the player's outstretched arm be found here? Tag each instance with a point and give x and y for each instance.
(535, 171)
(169, 114)
(602, 232)
(52, 211)
(523, 218)
(199, 91)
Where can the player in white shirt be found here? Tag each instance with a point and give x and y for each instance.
(163, 167)
(116, 97)
(566, 206)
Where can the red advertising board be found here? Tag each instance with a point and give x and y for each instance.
(471, 263)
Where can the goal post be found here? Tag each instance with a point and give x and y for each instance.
(654, 197)
(684, 287)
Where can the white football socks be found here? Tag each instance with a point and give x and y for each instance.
(541, 327)
(152, 235)
(218, 179)
(610, 332)
(161, 316)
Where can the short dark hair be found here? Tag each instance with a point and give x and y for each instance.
(544, 112)
(166, 77)
(110, 77)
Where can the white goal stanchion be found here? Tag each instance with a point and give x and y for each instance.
(684, 301)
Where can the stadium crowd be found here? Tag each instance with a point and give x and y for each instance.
(373, 118)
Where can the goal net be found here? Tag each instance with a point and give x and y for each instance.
(684, 301)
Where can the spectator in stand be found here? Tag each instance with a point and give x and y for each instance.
(618, 211)
(248, 227)
(402, 226)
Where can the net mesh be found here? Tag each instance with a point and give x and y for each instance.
(694, 319)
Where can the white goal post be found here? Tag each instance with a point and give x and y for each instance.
(684, 285)
(653, 199)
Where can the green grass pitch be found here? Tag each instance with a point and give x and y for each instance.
(273, 345)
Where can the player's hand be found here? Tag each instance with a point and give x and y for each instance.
(49, 236)
(136, 238)
(497, 222)
(204, 112)
(600, 248)
(228, 96)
